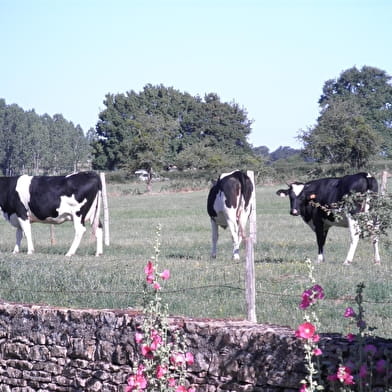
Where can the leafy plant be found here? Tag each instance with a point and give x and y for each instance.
(164, 358)
(307, 332)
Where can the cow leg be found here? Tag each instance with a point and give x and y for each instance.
(321, 235)
(354, 239)
(19, 236)
(377, 259)
(24, 227)
(374, 238)
(235, 237)
(214, 237)
(79, 231)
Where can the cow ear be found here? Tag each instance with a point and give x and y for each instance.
(282, 192)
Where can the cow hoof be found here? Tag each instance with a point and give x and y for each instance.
(236, 256)
(347, 262)
(377, 262)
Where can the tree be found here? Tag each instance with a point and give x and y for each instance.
(370, 88)
(342, 135)
(283, 153)
(38, 142)
(160, 127)
(33, 144)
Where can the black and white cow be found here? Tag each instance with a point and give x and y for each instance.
(52, 199)
(229, 204)
(308, 200)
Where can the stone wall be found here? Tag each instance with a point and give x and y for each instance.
(57, 349)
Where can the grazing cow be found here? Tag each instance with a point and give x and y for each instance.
(309, 199)
(52, 199)
(229, 204)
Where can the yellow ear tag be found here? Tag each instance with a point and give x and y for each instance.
(312, 196)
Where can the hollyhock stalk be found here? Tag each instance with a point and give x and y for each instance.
(307, 332)
(163, 355)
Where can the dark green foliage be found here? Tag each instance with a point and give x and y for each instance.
(355, 120)
(161, 127)
(377, 220)
(34, 144)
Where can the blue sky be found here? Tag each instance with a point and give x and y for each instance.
(270, 57)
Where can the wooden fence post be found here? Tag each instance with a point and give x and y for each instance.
(250, 286)
(384, 179)
(105, 209)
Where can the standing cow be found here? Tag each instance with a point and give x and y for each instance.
(229, 205)
(52, 199)
(308, 200)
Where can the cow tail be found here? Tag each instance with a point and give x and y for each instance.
(246, 188)
(97, 213)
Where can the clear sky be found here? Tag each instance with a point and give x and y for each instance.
(270, 57)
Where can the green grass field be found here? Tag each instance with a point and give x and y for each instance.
(199, 286)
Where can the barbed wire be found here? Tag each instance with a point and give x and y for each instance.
(230, 286)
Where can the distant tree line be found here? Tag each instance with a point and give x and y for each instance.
(161, 128)
(34, 144)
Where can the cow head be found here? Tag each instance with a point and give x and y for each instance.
(296, 196)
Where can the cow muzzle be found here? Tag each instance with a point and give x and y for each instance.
(294, 212)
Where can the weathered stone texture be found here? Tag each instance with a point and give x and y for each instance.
(64, 350)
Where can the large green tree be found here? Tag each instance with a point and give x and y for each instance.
(355, 121)
(342, 135)
(161, 127)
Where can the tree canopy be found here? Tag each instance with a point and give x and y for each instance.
(355, 121)
(161, 127)
(33, 144)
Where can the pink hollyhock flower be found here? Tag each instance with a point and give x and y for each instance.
(350, 337)
(177, 359)
(344, 375)
(317, 351)
(161, 371)
(370, 348)
(189, 358)
(303, 388)
(305, 331)
(138, 337)
(310, 295)
(150, 278)
(191, 389)
(146, 351)
(136, 382)
(318, 292)
(165, 274)
(141, 368)
(156, 286)
(181, 388)
(306, 299)
(156, 340)
(149, 268)
(349, 312)
(381, 366)
(171, 382)
(315, 338)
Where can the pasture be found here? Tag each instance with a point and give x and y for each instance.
(199, 286)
